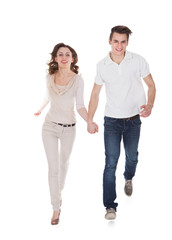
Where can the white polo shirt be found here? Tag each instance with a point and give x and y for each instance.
(124, 90)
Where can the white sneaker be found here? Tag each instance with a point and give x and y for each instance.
(110, 214)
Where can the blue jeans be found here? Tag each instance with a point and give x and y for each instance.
(114, 130)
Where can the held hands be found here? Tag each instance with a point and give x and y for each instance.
(145, 110)
(92, 127)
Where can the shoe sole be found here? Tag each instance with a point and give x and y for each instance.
(128, 194)
(110, 216)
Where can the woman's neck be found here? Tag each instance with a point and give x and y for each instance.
(64, 72)
(63, 76)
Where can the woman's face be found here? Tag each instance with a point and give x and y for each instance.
(64, 57)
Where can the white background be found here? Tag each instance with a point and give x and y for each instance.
(29, 31)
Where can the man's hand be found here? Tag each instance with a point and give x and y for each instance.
(146, 110)
(92, 127)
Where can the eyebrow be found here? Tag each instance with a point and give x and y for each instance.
(119, 41)
(65, 52)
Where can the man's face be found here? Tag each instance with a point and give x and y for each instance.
(118, 43)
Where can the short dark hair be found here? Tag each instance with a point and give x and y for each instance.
(120, 29)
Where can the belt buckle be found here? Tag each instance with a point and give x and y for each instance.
(127, 119)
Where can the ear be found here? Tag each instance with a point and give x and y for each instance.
(55, 59)
(110, 41)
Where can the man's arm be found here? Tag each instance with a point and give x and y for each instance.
(92, 127)
(151, 96)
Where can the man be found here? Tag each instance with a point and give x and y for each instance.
(122, 73)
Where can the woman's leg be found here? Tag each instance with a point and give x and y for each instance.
(66, 143)
(50, 141)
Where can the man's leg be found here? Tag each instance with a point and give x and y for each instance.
(131, 139)
(112, 139)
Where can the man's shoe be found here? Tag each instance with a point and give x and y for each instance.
(110, 214)
(128, 189)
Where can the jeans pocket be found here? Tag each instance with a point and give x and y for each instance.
(136, 122)
(109, 121)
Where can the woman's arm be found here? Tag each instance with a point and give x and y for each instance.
(80, 100)
(43, 105)
(83, 113)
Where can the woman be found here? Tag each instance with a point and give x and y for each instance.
(64, 86)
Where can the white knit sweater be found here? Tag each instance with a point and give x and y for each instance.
(62, 99)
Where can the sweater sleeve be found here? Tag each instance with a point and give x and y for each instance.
(44, 102)
(46, 98)
(80, 94)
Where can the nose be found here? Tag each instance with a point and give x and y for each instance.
(64, 58)
(119, 45)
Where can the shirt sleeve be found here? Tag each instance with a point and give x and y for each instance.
(144, 68)
(80, 94)
(98, 78)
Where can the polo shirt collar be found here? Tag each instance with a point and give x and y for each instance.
(128, 55)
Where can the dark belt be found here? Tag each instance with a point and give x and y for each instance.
(131, 118)
(66, 125)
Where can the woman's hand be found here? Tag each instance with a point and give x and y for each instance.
(37, 114)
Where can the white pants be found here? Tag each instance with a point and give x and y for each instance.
(57, 156)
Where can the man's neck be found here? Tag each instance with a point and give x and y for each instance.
(116, 58)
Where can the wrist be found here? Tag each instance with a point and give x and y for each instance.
(89, 121)
(150, 105)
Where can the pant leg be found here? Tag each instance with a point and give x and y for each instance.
(112, 139)
(50, 137)
(66, 143)
(131, 140)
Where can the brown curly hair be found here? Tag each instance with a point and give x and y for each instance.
(53, 65)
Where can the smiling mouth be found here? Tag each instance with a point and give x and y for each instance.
(64, 62)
